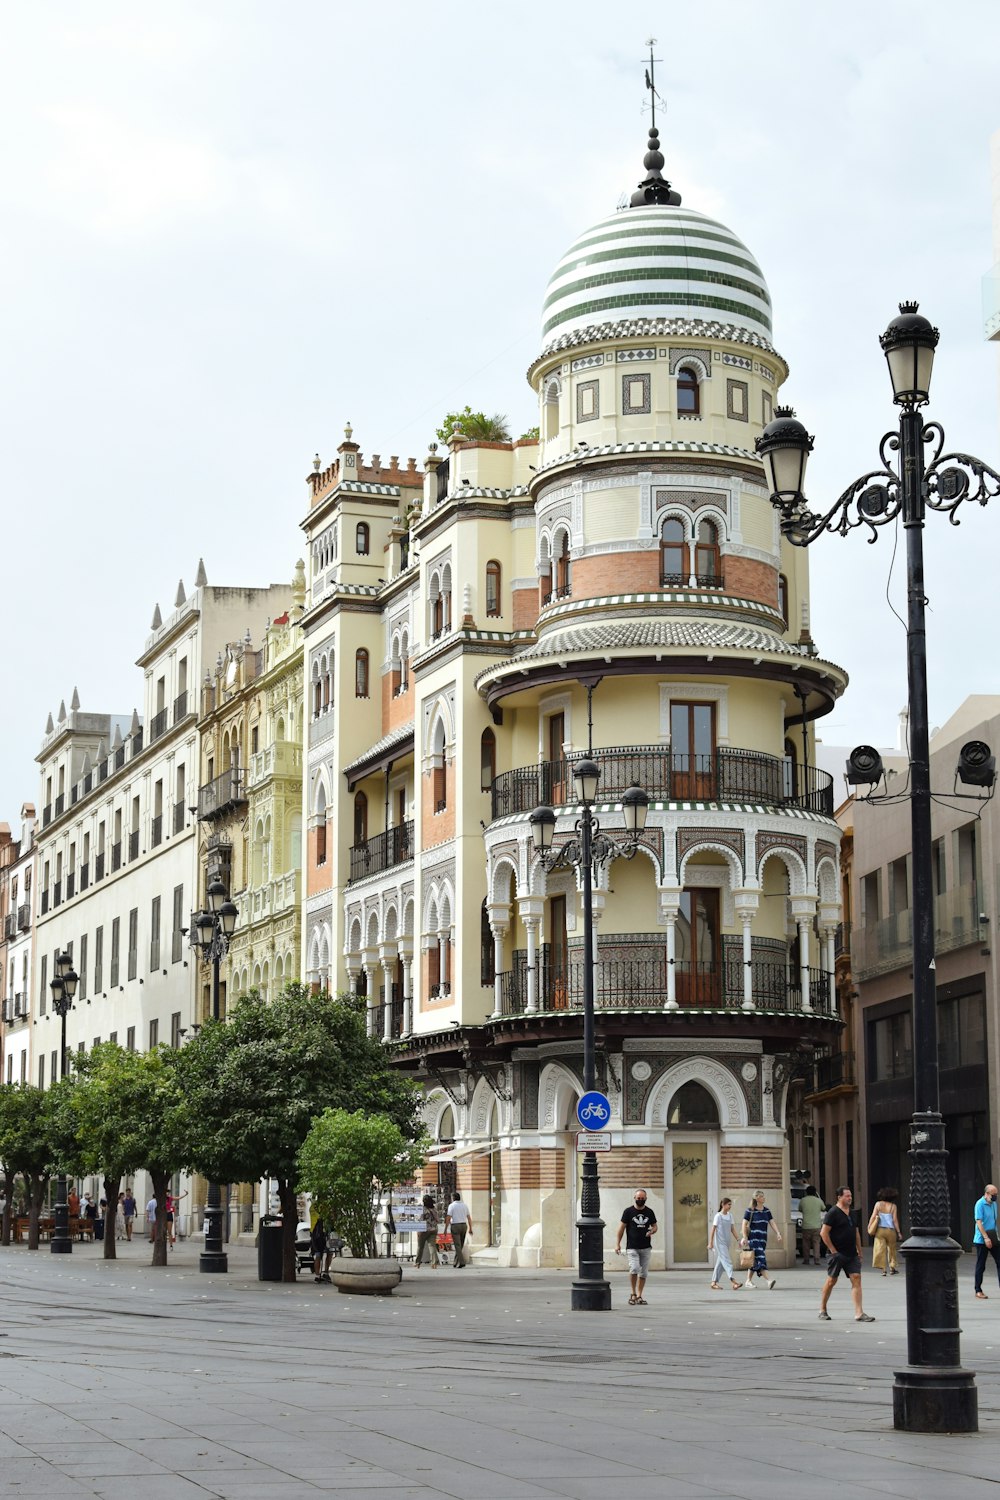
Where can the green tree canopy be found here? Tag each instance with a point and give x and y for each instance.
(255, 1082)
(130, 1113)
(36, 1139)
(476, 426)
(347, 1162)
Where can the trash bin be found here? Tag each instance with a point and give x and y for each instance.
(269, 1237)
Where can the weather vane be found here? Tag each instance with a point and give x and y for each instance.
(651, 77)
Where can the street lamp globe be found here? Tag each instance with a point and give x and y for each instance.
(784, 447)
(228, 915)
(908, 344)
(64, 963)
(543, 822)
(205, 924)
(70, 981)
(58, 988)
(635, 805)
(586, 774)
(216, 897)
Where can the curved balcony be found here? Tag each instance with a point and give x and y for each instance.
(728, 775)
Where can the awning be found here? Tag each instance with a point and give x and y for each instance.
(456, 1153)
(383, 753)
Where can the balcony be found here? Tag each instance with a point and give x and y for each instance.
(280, 759)
(84, 875)
(222, 795)
(640, 982)
(158, 725)
(727, 776)
(116, 855)
(882, 946)
(45, 902)
(383, 852)
(57, 893)
(156, 832)
(564, 591)
(60, 806)
(46, 814)
(119, 757)
(24, 917)
(10, 925)
(180, 707)
(273, 899)
(99, 867)
(179, 812)
(133, 844)
(842, 940)
(394, 1008)
(685, 581)
(70, 885)
(834, 1072)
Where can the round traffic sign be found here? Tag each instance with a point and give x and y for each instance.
(593, 1111)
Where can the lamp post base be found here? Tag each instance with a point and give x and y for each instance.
(929, 1399)
(213, 1260)
(61, 1247)
(591, 1291)
(60, 1243)
(590, 1296)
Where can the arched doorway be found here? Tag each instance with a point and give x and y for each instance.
(692, 1172)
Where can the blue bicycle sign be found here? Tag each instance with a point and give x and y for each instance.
(593, 1111)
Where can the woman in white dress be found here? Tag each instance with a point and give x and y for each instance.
(718, 1240)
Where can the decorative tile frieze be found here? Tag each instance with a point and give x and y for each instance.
(623, 356)
(703, 356)
(588, 400)
(636, 395)
(729, 838)
(739, 361)
(738, 400)
(587, 362)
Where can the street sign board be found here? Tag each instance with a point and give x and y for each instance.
(594, 1110)
(594, 1140)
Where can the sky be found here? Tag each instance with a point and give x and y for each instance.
(228, 229)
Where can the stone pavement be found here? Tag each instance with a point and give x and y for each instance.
(117, 1380)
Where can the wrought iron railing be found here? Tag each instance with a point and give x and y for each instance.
(180, 707)
(60, 806)
(726, 776)
(834, 1071)
(133, 844)
(85, 875)
(156, 832)
(179, 811)
(394, 1007)
(158, 724)
(683, 581)
(382, 852)
(564, 591)
(24, 916)
(116, 855)
(70, 885)
(222, 794)
(99, 866)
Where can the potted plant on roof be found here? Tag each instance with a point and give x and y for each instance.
(348, 1163)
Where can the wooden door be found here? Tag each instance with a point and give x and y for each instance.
(692, 751)
(697, 949)
(557, 765)
(559, 953)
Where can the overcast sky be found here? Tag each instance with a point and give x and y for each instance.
(230, 227)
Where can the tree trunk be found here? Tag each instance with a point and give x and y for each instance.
(8, 1192)
(36, 1194)
(289, 1224)
(161, 1181)
(112, 1182)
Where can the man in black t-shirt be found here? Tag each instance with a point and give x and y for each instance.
(638, 1224)
(842, 1238)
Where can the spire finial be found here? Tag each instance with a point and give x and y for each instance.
(654, 189)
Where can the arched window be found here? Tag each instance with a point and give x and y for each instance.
(487, 759)
(360, 818)
(707, 563)
(563, 579)
(404, 662)
(551, 411)
(673, 554)
(693, 1105)
(361, 674)
(493, 588)
(688, 393)
(487, 950)
(783, 597)
(362, 539)
(439, 787)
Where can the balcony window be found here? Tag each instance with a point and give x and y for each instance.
(688, 393)
(707, 563)
(493, 578)
(673, 553)
(487, 759)
(360, 818)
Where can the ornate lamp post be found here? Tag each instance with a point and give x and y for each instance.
(63, 988)
(933, 1393)
(591, 848)
(212, 929)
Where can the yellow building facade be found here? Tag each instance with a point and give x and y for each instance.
(617, 588)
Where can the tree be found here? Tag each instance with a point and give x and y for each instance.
(129, 1114)
(347, 1162)
(36, 1137)
(255, 1082)
(476, 426)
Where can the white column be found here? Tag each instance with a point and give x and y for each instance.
(669, 909)
(531, 928)
(746, 907)
(597, 901)
(370, 972)
(499, 933)
(804, 963)
(407, 956)
(442, 961)
(387, 1011)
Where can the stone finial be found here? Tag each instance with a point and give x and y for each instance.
(102, 752)
(316, 463)
(219, 662)
(201, 577)
(62, 711)
(49, 726)
(85, 771)
(467, 619)
(247, 640)
(348, 433)
(134, 726)
(157, 619)
(299, 586)
(181, 596)
(116, 742)
(74, 702)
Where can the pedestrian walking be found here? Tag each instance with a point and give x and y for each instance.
(638, 1225)
(320, 1250)
(120, 1217)
(813, 1208)
(985, 1237)
(172, 1201)
(842, 1238)
(718, 1240)
(151, 1219)
(757, 1221)
(129, 1210)
(459, 1221)
(427, 1237)
(884, 1227)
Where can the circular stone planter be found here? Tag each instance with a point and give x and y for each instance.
(375, 1277)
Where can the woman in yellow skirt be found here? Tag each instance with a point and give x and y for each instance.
(884, 1226)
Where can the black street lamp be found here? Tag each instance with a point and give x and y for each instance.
(591, 1292)
(212, 929)
(63, 988)
(933, 1393)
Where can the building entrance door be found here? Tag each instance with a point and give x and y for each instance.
(692, 1190)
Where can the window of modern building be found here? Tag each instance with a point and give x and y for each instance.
(130, 1039)
(493, 578)
(899, 885)
(361, 673)
(154, 934)
(133, 942)
(688, 392)
(115, 950)
(940, 879)
(154, 1034)
(362, 539)
(962, 1032)
(890, 1047)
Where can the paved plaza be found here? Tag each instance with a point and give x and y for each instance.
(119, 1380)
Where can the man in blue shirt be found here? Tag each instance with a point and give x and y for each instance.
(985, 1238)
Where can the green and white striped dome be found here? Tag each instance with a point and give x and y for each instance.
(656, 262)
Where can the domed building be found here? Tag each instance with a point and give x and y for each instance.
(618, 591)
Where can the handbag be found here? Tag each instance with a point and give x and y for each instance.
(746, 1260)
